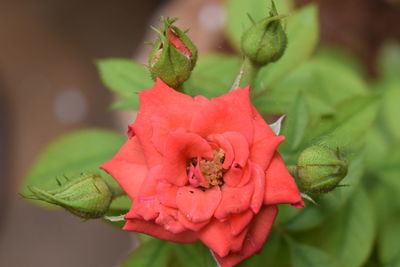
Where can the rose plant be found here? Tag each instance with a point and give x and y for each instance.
(201, 166)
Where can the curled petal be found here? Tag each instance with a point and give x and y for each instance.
(128, 167)
(196, 205)
(265, 142)
(150, 101)
(280, 187)
(259, 188)
(234, 176)
(166, 194)
(146, 204)
(153, 229)
(240, 221)
(223, 143)
(180, 147)
(234, 200)
(231, 112)
(168, 217)
(169, 117)
(217, 236)
(258, 232)
(191, 225)
(240, 147)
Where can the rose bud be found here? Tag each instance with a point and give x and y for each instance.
(320, 169)
(173, 56)
(265, 41)
(86, 196)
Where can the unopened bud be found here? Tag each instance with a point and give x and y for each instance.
(320, 169)
(173, 56)
(86, 196)
(265, 41)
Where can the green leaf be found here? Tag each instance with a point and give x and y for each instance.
(377, 147)
(350, 125)
(302, 32)
(324, 82)
(213, 75)
(127, 103)
(159, 253)
(196, 253)
(123, 76)
(274, 253)
(307, 256)
(349, 234)
(70, 154)
(126, 78)
(154, 253)
(391, 108)
(238, 20)
(341, 57)
(388, 241)
(296, 124)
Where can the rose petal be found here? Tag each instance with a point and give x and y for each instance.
(240, 147)
(280, 187)
(240, 221)
(146, 204)
(170, 117)
(231, 112)
(180, 147)
(189, 224)
(258, 232)
(158, 231)
(226, 146)
(234, 200)
(166, 194)
(234, 176)
(265, 142)
(217, 236)
(196, 205)
(259, 188)
(168, 217)
(150, 100)
(128, 167)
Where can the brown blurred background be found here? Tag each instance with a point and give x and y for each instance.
(49, 85)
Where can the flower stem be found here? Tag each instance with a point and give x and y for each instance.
(116, 191)
(250, 72)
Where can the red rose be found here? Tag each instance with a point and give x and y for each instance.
(203, 169)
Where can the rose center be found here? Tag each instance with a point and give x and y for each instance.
(211, 170)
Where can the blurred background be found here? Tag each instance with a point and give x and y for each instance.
(49, 85)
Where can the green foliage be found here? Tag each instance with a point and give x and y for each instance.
(348, 127)
(160, 253)
(296, 124)
(302, 31)
(325, 84)
(213, 76)
(237, 16)
(69, 155)
(349, 235)
(126, 78)
(307, 256)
